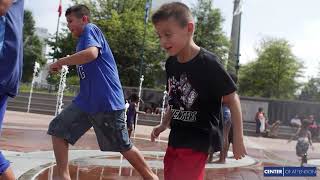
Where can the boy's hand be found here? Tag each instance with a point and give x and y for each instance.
(239, 150)
(156, 131)
(55, 67)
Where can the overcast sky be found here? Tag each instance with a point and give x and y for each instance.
(296, 21)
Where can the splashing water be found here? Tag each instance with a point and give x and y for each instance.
(140, 90)
(36, 69)
(163, 108)
(62, 85)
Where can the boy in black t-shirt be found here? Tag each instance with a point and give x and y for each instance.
(197, 84)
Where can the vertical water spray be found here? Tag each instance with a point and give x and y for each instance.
(163, 107)
(138, 106)
(36, 69)
(62, 85)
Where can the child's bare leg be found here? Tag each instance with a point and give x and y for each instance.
(61, 147)
(225, 148)
(129, 132)
(210, 157)
(8, 175)
(137, 161)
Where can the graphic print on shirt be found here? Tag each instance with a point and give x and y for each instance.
(181, 98)
(81, 72)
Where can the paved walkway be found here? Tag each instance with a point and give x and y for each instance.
(27, 146)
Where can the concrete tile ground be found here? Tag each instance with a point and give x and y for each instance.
(26, 145)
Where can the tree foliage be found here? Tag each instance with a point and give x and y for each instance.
(32, 47)
(123, 25)
(311, 90)
(273, 74)
(209, 32)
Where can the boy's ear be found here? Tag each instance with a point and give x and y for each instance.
(85, 19)
(190, 27)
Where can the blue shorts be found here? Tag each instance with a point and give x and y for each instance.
(110, 128)
(4, 164)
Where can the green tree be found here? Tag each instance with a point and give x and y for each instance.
(123, 25)
(209, 32)
(64, 45)
(311, 90)
(32, 47)
(273, 74)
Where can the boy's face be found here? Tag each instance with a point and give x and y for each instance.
(173, 37)
(4, 6)
(76, 24)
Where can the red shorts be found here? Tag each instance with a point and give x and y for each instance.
(184, 164)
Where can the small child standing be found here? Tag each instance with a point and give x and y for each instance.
(132, 113)
(196, 84)
(303, 142)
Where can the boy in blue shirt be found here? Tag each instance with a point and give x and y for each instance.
(100, 102)
(11, 57)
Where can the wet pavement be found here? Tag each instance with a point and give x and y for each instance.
(27, 146)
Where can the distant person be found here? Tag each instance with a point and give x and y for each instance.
(295, 121)
(132, 113)
(313, 127)
(100, 102)
(148, 110)
(260, 121)
(273, 129)
(304, 141)
(11, 57)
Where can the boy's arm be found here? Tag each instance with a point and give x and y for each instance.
(81, 57)
(164, 124)
(233, 102)
(309, 138)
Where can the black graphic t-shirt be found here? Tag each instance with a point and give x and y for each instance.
(195, 91)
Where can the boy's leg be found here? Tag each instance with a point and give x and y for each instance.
(183, 163)
(112, 135)
(129, 128)
(258, 124)
(5, 170)
(7, 175)
(137, 161)
(60, 148)
(66, 129)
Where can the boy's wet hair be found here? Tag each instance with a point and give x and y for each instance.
(177, 10)
(79, 11)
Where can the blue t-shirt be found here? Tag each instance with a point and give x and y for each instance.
(100, 87)
(11, 55)
(2, 31)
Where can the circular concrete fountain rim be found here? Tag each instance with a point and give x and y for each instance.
(35, 172)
